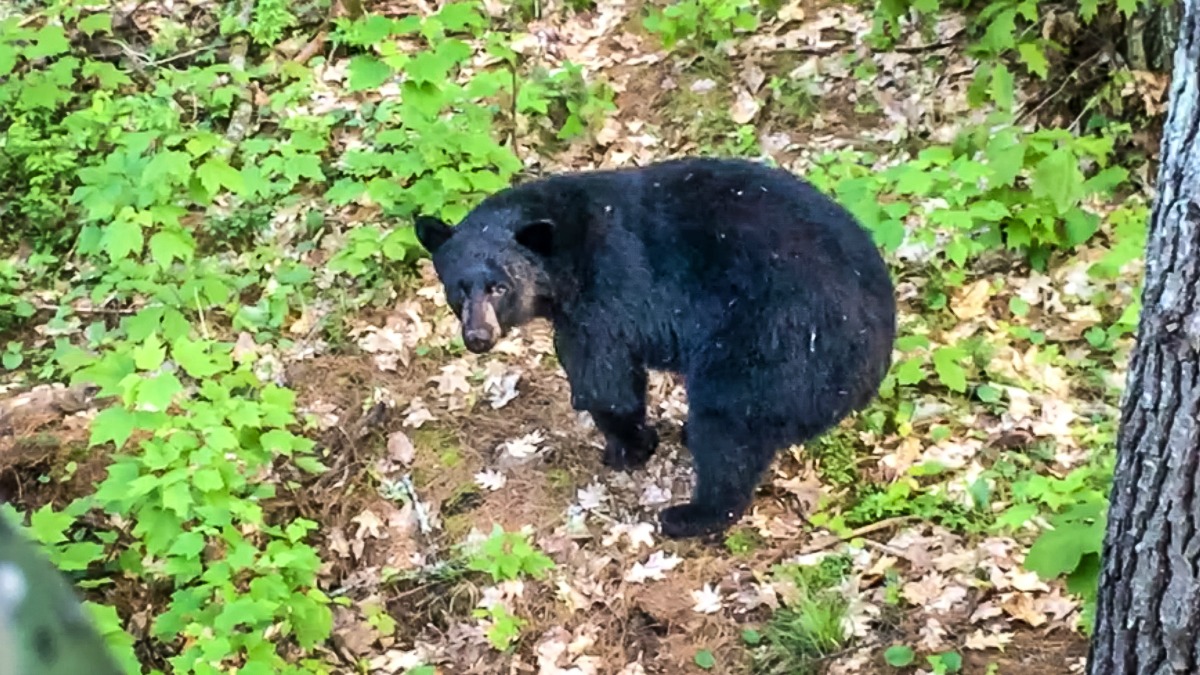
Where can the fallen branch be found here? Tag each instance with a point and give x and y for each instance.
(830, 542)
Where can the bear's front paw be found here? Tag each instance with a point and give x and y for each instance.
(693, 520)
(622, 456)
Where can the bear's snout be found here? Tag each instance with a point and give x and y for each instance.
(478, 340)
(480, 326)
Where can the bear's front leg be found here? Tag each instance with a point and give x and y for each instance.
(610, 385)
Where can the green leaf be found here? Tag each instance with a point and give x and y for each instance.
(1002, 87)
(950, 661)
(751, 637)
(946, 361)
(898, 656)
(208, 480)
(987, 393)
(1034, 58)
(12, 359)
(158, 392)
(704, 658)
(1060, 550)
(48, 525)
(1017, 515)
(8, 59)
(367, 72)
(957, 250)
(167, 246)
(1006, 158)
(50, 40)
(1001, 32)
(122, 238)
(115, 424)
(1080, 226)
(177, 497)
(78, 556)
(1058, 178)
(1105, 181)
(107, 75)
(150, 354)
(195, 358)
(216, 173)
(188, 545)
(95, 23)
(910, 371)
(1127, 7)
(1088, 9)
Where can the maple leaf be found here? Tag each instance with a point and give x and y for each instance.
(654, 567)
(592, 497)
(490, 480)
(368, 522)
(707, 600)
(453, 378)
(524, 446)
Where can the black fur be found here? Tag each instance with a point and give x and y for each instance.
(768, 296)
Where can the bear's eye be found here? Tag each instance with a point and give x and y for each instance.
(498, 289)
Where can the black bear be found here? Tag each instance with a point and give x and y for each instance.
(767, 296)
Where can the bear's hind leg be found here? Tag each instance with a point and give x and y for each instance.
(729, 459)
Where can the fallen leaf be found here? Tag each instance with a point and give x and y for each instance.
(745, 107)
(400, 448)
(707, 600)
(655, 566)
(491, 480)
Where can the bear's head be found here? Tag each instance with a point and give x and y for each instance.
(494, 272)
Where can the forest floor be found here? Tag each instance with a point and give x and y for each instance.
(487, 440)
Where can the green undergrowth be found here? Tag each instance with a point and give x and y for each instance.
(139, 191)
(809, 626)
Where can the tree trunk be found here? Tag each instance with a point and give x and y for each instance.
(1148, 608)
(1150, 35)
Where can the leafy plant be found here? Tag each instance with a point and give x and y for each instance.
(508, 555)
(704, 23)
(811, 625)
(997, 187)
(503, 629)
(898, 655)
(1002, 35)
(946, 662)
(1075, 510)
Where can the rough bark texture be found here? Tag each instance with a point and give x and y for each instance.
(1150, 35)
(1148, 612)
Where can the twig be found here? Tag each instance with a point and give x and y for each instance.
(146, 62)
(92, 310)
(830, 542)
(310, 50)
(855, 534)
(1056, 92)
(916, 49)
(200, 310)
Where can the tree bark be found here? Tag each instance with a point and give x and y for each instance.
(1148, 606)
(1150, 35)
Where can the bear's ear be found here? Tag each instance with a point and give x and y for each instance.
(537, 236)
(431, 232)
